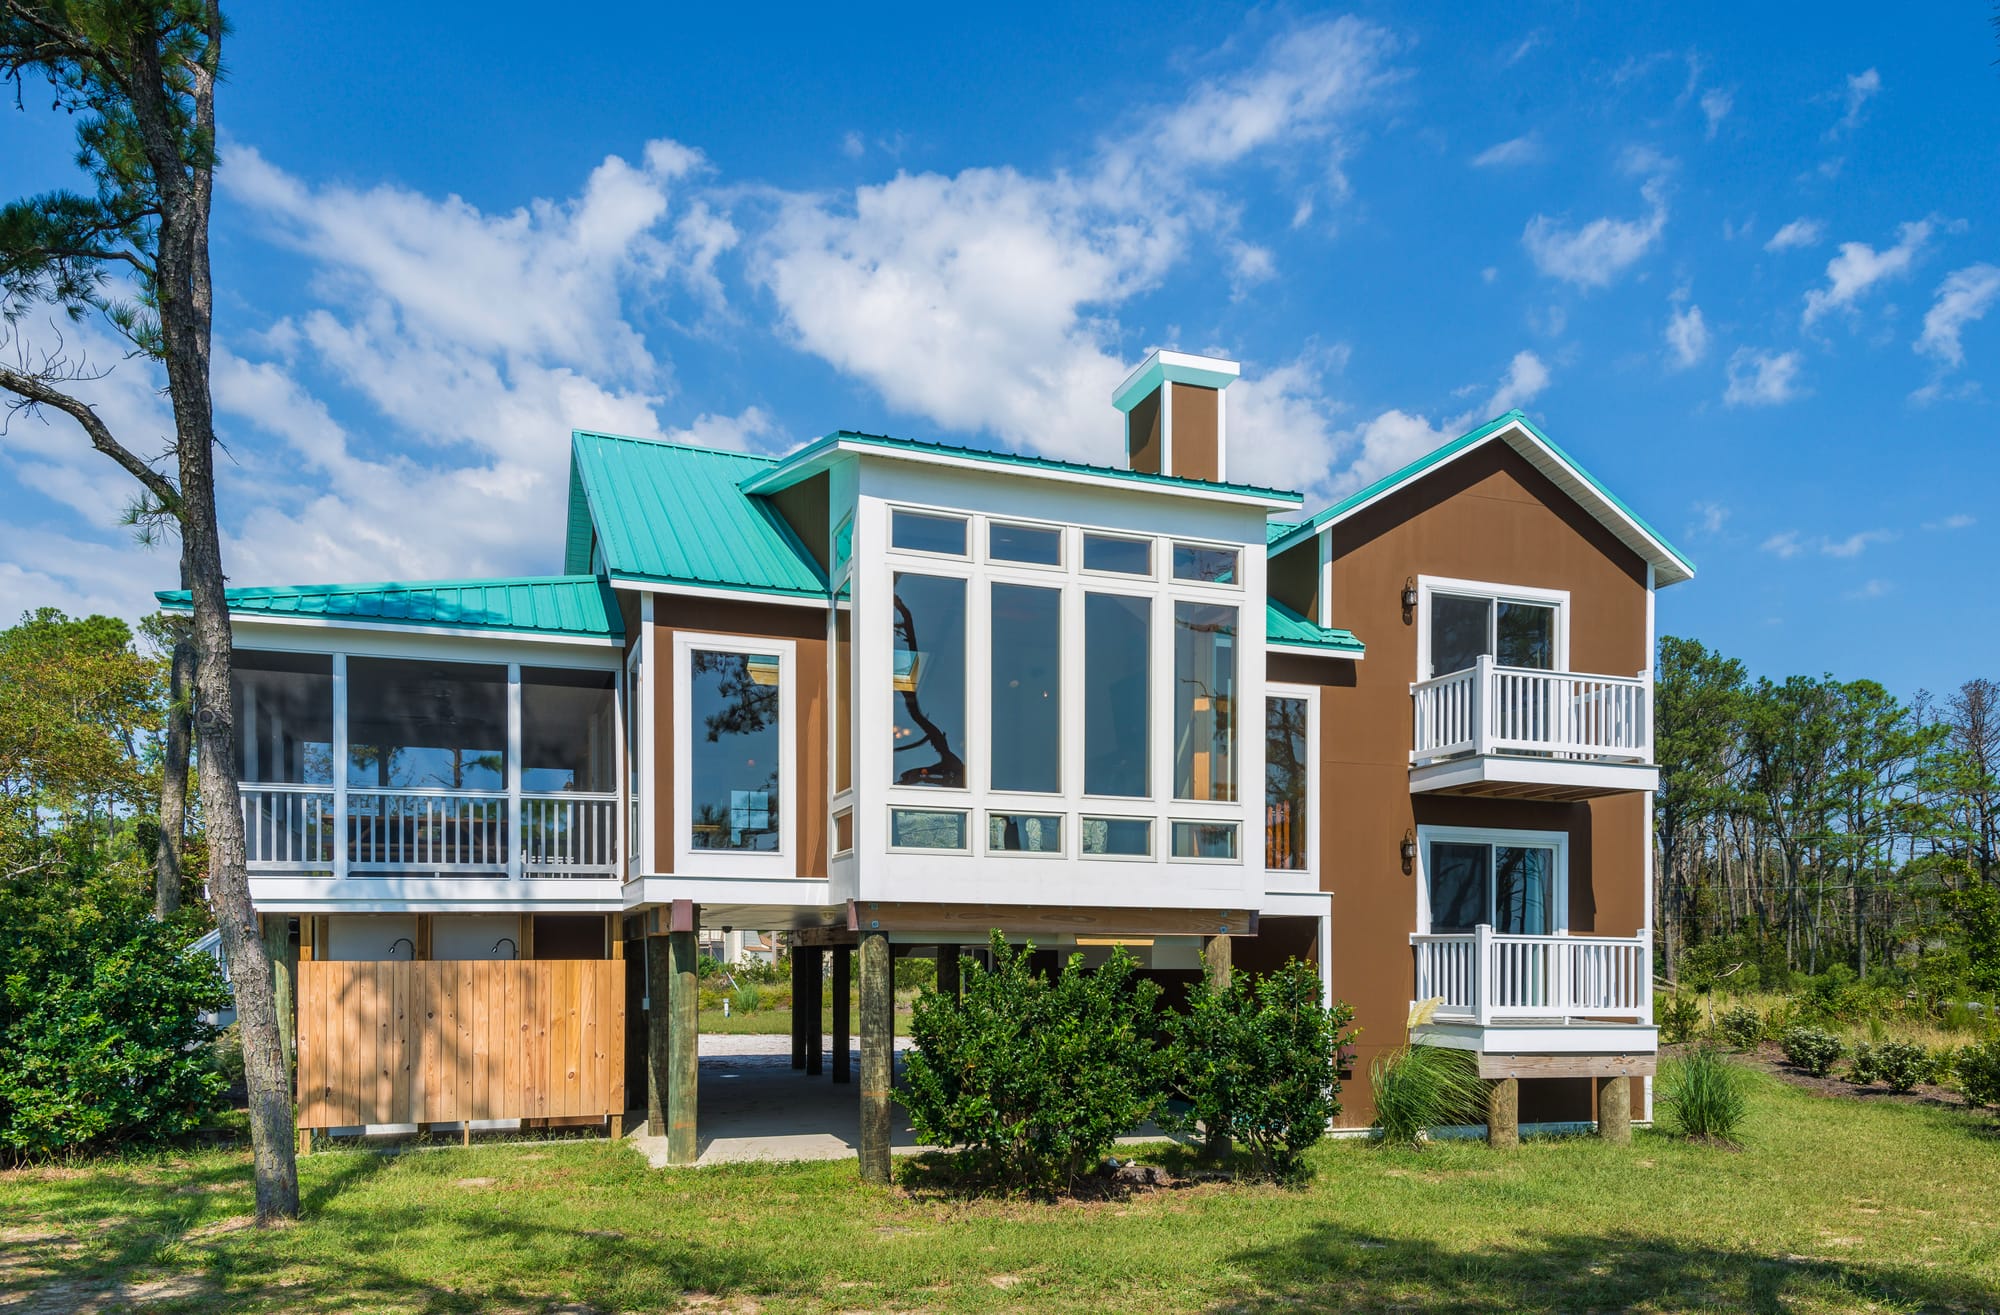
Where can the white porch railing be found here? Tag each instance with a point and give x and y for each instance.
(293, 828)
(1489, 709)
(1482, 977)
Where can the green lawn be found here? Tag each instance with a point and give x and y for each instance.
(1833, 1205)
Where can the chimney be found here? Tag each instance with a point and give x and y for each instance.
(1176, 417)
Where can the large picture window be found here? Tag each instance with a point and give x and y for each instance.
(1205, 702)
(927, 679)
(1117, 683)
(1510, 882)
(1027, 688)
(1287, 809)
(735, 750)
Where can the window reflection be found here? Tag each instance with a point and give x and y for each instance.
(426, 725)
(1193, 561)
(917, 532)
(927, 678)
(1117, 665)
(733, 760)
(1027, 688)
(1285, 777)
(1205, 702)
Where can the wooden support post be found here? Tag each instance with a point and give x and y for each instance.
(947, 970)
(815, 1004)
(1215, 956)
(305, 1141)
(284, 982)
(617, 1128)
(658, 1034)
(798, 959)
(1614, 1110)
(683, 1055)
(1503, 1113)
(878, 1051)
(843, 1002)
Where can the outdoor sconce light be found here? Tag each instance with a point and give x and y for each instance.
(1409, 597)
(1409, 851)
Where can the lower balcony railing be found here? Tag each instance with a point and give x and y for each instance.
(1489, 709)
(1483, 977)
(303, 828)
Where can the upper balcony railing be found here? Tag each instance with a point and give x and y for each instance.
(294, 828)
(1488, 709)
(1483, 977)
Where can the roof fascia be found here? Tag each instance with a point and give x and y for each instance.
(1173, 367)
(381, 626)
(1315, 650)
(646, 584)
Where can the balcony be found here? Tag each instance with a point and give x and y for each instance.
(1540, 1006)
(1515, 732)
(428, 832)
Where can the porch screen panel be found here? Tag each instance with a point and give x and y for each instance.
(284, 717)
(1205, 702)
(1286, 775)
(1117, 662)
(426, 725)
(1459, 877)
(568, 728)
(927, 681)
(1027, 688)
(733, 754)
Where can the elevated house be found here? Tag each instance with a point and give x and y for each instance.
(888, 695)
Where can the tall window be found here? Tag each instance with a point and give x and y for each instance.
(735, 747)
(1205, 702)
(843, 699)
(1027, 688)
(1117, 666)
(1464, 628)
(927, 678)
(1509, 886)
(426, 725)
(1286, 808)
(567, 730)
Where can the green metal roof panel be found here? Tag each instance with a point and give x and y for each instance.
(1284, 626)
(577, 535)
(1019, 460)
(669, 512)
(567, 605)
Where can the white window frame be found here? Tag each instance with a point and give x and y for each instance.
(1063, 817)
(965, 519)
(1173, 581)
(1470, 835)
(970, 814)
(1165, 708)
(1064, 548)
(1152, 854)
(723, 862)
(1181, 819)
(1427, 585)
(1310, 693)
(1155, 542)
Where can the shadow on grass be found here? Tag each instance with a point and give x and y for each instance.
(1331, 1268)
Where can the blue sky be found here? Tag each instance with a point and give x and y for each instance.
(1740, 263)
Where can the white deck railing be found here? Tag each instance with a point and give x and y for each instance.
(1483, 977)
(293, 828)
(1489, 709)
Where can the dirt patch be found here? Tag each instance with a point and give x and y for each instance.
(1770, 1059)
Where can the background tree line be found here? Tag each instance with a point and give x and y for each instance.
(1812, 824)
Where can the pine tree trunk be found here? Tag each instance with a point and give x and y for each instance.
(174, 780)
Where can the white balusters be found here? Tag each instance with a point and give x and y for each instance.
(1483, 976)
(1488, 709)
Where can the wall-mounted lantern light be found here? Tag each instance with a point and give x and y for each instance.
(1409, 597)
(1409, 851)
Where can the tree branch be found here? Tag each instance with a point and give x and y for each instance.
(37, 392)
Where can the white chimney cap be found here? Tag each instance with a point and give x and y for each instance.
(1173, 367)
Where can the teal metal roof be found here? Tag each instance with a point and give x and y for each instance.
(677, 514)
(799, 463)
(1635, 532)
(572, 606)
(1284, 626)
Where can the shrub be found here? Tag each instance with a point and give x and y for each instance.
(1902, 1065)
(1419, 1088)
(1680, 1018)
(916, 974)
(1979, 1073)
(1740, 1027)
(1702, 1094)
(1810, 1049)
(1034, 1077)
(1861, 1068)
(1255, 1064)
(747, 998)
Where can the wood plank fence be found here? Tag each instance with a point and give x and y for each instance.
(444, 1041)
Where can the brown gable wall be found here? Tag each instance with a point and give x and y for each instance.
(1488, 516)
(804, 625)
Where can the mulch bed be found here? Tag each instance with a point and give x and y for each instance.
(1771, 1059)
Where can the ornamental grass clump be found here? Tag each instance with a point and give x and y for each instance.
(1254, 1062)
(1702, 1095)
(1418, 1088)
(1034, 1077)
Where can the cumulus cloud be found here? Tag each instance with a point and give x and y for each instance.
(1790, 543)
(1396, 437)
(1525, 149)
(1715, 106)
(1859, 267)
(1855, 544)
(1596, 253)
(1526, 378)
(1799, 233)
(1709, 518)
(1762, 378)
(1785, 544)
(1861, 88)
(1687, 337)
(1964, 297)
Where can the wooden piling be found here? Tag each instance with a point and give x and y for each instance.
(659, 967)
(1614, 1110)
(1503, 1113)
(683, 1034)
(815, 1008)
(798, 961)
(878, 1048)
(843, 1002)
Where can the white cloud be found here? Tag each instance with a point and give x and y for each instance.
(1958, 520)
(1785, 544)
(1964, 297)
(1856, 544)
(1515, 150)
(1526, 378)
(1762, 378)
(1800, 232)
(1396, 437)
(1687, 337)
(1859, 267)
(1870, 589)
(852, 146)
(1861, 88)
(1712, 516)
(1715, 106)
(1595, 254)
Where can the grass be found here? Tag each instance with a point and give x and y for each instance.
(1831, 1205)
(1891, 1026)
(777, 1021)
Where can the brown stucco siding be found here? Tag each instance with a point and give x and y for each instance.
(1197, 432)
(1292, 578)
(1489, 516)
(804, 626)
(1142, 438)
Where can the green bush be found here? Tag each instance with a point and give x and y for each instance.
(107, 1044)
(1255, 1064)
(1419, 1088)
(1033, 1077)
(1810, 1049)
(1861, 1068)
(1680, 1018)
(916, 974)
(1702, 1094)
(748, 998)
(1902, 1065)
(1979, 1073)
(1740, 1027)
